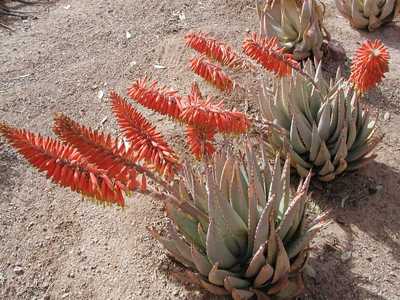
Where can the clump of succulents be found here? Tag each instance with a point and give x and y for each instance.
(298, 25)
(246, 232)
(368, 14)
(322, 125)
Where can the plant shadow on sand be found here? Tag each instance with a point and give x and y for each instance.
(9, 160)
(365, 202)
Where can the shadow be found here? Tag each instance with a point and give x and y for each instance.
(12, 10)
(389, 34)
(334, 280)
(9, 160)
(369, 201)
(379, 98)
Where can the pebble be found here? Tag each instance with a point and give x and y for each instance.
(386, 116)
(346, 256)
(18, 270)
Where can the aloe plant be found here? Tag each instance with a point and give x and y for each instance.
(368, 14)
(322, 125)
(239, 229)
(297, 24)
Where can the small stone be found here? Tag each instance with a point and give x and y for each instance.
(386, 116)
(346, 256)
(71, 275)
(18, 270)
(100, 94)
(128, 35)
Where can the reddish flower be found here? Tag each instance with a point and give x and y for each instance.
(162, 100)
(213, 49)
(148, 144)
(267, 52)
(64, 165)
(200, 142)
(211, 73)
(370, 64)
(202, 113)
(99, 149)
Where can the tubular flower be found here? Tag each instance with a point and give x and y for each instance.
(200, 142)
(64, 165)
(202, 113)
(144, 138)
(211, 73)
(369, 65)
(99, 149)
(162, 100)
(267, 53)
(213, 49)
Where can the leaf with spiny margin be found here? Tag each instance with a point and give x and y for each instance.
(276, 185)
(364, 149)
(323, 155)
(282, 265)
(286, 195)
(325, 121)
(217, 251)
(295, 139)
(226, 177)
(238, 193)
(186, 224)
(290, 215)
(326, 169)
(253, 216)
(201, 262)
(266, 272)
(217, 276)
(231, 283)
(258, 260)
(262, 229)
(315, 144)
(303, 241)
(221, 211)
(272, 248)
(171, 246)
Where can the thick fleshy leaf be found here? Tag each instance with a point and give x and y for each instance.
(201, 262)
(266, 272)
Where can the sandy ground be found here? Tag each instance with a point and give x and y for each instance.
(54, 246)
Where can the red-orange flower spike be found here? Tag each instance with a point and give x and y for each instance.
(267, 53)
(144, 138)
(200, 142)
(99, 149)
(162, 100)
(213, 49)
(369, 66)
(211, 73)
(202, 113)
(64, 165)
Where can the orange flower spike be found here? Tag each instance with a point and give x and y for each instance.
(97, 148)
(143, 136)
(64, 165)
(267, 53)
(213, 49)
(200, 142)
(369, 66)
(212, 73)
(162, 100)
(202, 113)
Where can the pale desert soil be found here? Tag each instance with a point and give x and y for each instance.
(54, 246)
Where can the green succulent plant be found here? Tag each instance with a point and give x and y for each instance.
(322, 126)
(368, 14)
(297, 24)
(239, 230)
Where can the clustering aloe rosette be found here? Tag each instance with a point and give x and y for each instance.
(368, 14)
(246, 233)
(322, 125)
(297, 24)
